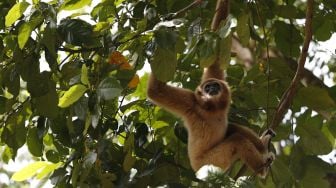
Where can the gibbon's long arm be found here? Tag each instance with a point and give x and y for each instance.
(213, 71)
(176, 100)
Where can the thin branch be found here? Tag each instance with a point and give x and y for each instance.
(185, 9)
(288, 96)
(78, 50)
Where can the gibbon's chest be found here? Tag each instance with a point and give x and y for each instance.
(204, 134)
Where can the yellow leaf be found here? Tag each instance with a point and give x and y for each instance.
(134, 82)
(29, 171)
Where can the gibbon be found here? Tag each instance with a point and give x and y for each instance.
(205, 116)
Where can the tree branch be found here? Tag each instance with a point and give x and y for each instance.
(185, 9)
(288, 96)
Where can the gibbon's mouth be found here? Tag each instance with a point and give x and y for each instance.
(212, 88)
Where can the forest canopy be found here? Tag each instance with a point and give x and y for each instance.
(73, 78)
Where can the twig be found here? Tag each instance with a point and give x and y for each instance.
(185, 9)
(13, 111)
(288, 96)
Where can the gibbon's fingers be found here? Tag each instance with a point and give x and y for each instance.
(266, 137)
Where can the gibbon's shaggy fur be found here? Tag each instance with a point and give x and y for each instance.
(205, 115)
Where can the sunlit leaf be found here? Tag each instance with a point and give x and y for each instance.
(84, 75)
(72, 95)
(75, 4)
(243, 28)
(16, 12)
(34, 143)
(29, 170)
(26, 29)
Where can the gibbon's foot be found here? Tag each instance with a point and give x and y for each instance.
(269, 158)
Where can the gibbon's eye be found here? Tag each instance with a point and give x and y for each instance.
(212, 88)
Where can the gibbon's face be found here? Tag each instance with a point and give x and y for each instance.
(213, 94)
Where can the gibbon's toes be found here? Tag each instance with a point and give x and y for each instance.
(270, 158)
(269, 132)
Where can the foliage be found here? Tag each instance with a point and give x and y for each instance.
(70, 90)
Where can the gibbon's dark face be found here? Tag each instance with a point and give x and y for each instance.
(212, 88)
(213, 94)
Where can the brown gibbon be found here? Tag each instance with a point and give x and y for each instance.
(205, 116)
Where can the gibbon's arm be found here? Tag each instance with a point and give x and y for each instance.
(213, 71)
(248, 134)
(176, 100)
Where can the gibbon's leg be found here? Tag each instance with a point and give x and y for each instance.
(235, 147)
(248, 134)
(175, 100)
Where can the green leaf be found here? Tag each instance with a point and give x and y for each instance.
(287, 38)
(129, 143)
(315, 173)
(46, 105)
(8, 154)
(26, 29)
(207, 47)
(109, 89)
(312, 140)
(15, 12)
(29, 171)
(288, 11)
(49, 168)
(52, 156)
(325, 30)
(89, 160)
(72, 95)
(315, 97)
(14, 133)
(225, 51)
(84, 75)
(49, 39)
(2, 104)
(281, 175)
(243, 28)
(164, 64)
(128, 161)
(75, 4)
(24, 33)
(35, 144)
